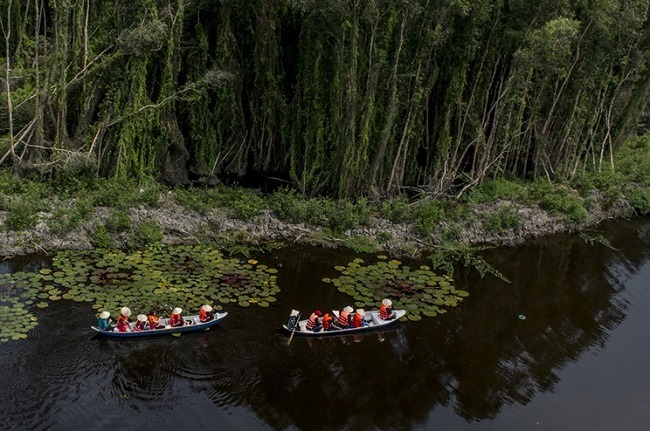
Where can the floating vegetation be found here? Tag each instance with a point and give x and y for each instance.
(420, 291)
(153, 279)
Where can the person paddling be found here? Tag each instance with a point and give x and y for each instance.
(294, 318)
(104, 321)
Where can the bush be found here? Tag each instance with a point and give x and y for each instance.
(146, 233)
(428, 213)
(504, 218)
(102, 238)
(361, 244)
(64, 220)
(397, 210)
(287, 205)
(194, 199)
(118, 220)
(499, 188)
(557, 198)
(639, 198)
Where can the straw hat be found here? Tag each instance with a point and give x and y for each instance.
(294, 313)
(177, 310)
(104, 314)
(348, 309)
(142, 318)
(361, 311)
(126, 311)
(207, 308)
(387, 302)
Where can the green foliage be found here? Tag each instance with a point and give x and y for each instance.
(362, 244)
(448, 255)
(496, 189)
(397, 210)
(125, 193)
(639, 198)
(145, 233)
(503, 219)
(22, 214)
(66, 219)
(118, 220)
(101, 238)
(428, 214)
(195, 199)
(288, 205)
(558, 199)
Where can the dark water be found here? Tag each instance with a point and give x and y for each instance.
(580, 359)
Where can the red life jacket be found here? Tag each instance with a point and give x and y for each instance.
(313, 321)
(175, 320)
(327, 321)
(153, 321)
(357, 320)
(343, 319)
(122, 323)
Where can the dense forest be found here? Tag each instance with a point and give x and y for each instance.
(345, 98)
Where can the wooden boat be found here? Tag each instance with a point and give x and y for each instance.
(371, 317)
(192, 324)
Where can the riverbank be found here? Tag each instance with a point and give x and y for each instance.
(498, 222)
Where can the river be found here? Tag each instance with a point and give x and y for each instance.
(564, 345)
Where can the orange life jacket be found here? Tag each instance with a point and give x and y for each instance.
(313, 321)
(385, 312)
(122, 323)
(327, 321)
(203, 315)
(175, 320)
(343, 319)
(153, 321)
(357, 320)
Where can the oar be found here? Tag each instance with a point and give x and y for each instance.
(292, 332)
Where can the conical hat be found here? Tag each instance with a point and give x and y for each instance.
(177, 310)
(361, 311)
(142, 318)
(348, 309)
(294, 313)
(207, 308)
(387, 302)
(126, 311)
(104, 314)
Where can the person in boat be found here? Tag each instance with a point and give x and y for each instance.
(328, 323)
(205, 313)
(104, 321)
(314, 324)
(141, 324)
(386, 311)
(175, 319)
(344, 317)
(358, 320)
(154, 320)
(123, 320)
(294, 318)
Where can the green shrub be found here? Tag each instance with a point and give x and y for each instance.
(639, 198)
(64, 220)
(118, 220)
(499, 188)
(361, 244)
(244, 204)
(146, 232)
(428, 213)
(558, 199)
(194, 199)
(287, 205)
(504, 218)
(101, 238)
(397, 210)
(21, 215)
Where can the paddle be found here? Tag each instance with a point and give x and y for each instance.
(292, 332)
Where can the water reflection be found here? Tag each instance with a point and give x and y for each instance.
(473, 361)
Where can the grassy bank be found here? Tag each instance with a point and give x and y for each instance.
(103, 211)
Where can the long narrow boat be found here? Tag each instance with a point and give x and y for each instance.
(192, 324)
(371, 317)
